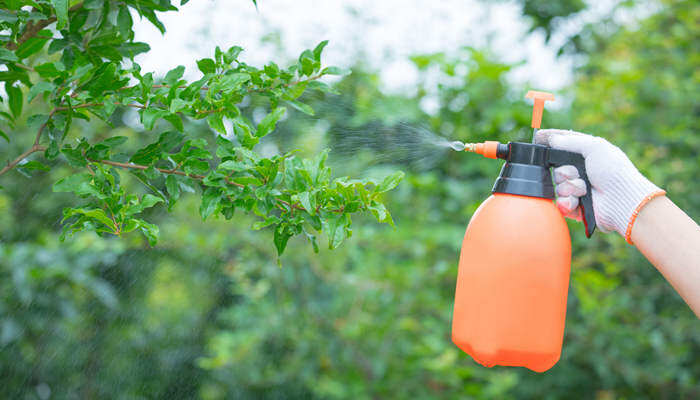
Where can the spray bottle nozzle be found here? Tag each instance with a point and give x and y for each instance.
(489, 149)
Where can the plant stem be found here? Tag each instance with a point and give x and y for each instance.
(31, 29)
(35, 148)
(163, 170)
(182, 173)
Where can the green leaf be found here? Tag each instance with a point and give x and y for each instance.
(268, 123)
(216, 122)
(33, 44)
(173, 187)
(334, 71)
(305, 108)
(61, 7)
(334, 226)
(206, 65)
(39, 88)
(95, 213)
(174, 75)
(271, 220)
(281, 237)
(308, 201)
(7, 55)
(271, 70)
(179, 104)
(4, 135)
(131, 50)
(210, 201)
(390, 182)
(314, 243)
(150, 231)
(11, 76)
(80, 184)
(148, 154)
(105, 78)
(74, 156)
(247, 180)
(15, 99)
(323, 87)
(381, 213)
(294, 91)
(147, 201)
(150, 116)
(57, 45)
(243, 133)
(231, 165)
(168, 140)
(124, 22)
(306, 59)
(195, 166)
(47, 70)
(52, 150)
(319, 49)
(34, 165)
(35, 121)
(176, 121)
(7, 16)
(152, 18)
(234, 81)
(114, 141)
(231, 54)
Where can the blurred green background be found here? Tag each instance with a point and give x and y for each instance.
(209, 313)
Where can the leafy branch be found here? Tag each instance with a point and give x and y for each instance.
(32, 28)
(90, 79)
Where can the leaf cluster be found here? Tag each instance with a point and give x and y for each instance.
(78, 57)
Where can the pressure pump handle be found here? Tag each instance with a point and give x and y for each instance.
(558, 158)
(538, 107)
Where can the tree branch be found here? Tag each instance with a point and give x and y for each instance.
(31, 29)
(182, 173)
(35, 148)
(43, 126)
(163, 170)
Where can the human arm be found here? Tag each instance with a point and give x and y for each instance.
(626, 202)
(670, 240)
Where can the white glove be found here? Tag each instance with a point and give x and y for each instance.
(619, 190)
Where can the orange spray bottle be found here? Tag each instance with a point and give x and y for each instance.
(513, 279)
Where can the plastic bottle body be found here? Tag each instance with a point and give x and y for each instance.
(512, 284)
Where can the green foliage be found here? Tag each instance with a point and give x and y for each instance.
(209, 314)
(86, 69)
(546, 15)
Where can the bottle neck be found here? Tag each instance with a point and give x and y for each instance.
(526, 172)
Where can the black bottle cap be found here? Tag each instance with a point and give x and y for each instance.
(526, 171)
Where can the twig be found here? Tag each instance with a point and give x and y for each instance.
(182, 173)
(203, 112)
(21, 157)
(24, 67)
(117, 227)
(163, 170)
(36, 147)
(201, 177)
(32, 29)
(42, 127)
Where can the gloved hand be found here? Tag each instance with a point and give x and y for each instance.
(619, 189)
